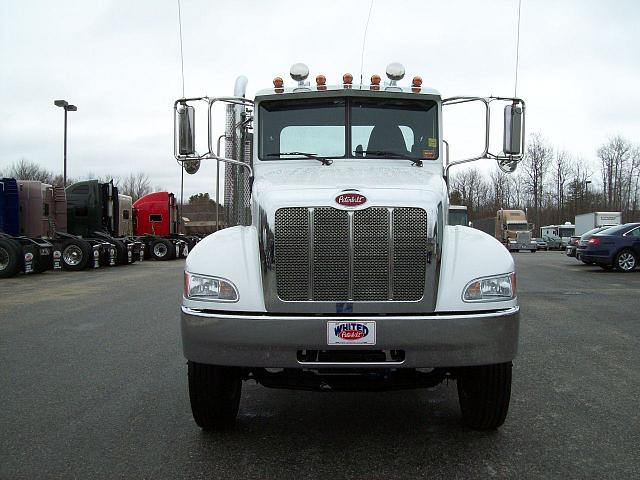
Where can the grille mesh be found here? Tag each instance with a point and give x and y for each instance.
(292, 253)
(409, 253)
(359, 256)
(371, 254)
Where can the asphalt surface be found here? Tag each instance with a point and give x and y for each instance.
(93, 385)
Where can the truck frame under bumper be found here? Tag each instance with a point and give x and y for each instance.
(276, 341)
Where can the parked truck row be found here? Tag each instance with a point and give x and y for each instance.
(87, 225)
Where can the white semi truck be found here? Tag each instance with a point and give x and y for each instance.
(338, 270)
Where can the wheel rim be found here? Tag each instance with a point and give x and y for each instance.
(626, 261)
(72, 255)
(4, 259)
(160, 250)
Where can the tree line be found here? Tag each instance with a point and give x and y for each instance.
(553, 186)
(136, 184)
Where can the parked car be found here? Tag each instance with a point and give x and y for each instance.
(542, 245)
(553, 242)
(584, 240)
(572, 245)
(617, 247)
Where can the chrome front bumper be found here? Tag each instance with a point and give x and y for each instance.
(262, 340)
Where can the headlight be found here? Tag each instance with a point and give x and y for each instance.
(491, 289)
(201, 287)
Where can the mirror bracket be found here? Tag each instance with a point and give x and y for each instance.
(507, 163)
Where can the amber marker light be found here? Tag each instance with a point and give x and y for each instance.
(416, 84)
(375, 82)
(321, 82)
(278, 82)
(347, 80)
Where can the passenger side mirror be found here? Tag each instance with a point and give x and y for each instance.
(186, 130)
(512, 129)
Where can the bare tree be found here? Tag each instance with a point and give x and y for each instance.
(535, 165)
(135, 185)
(561, 169)
(614, 157)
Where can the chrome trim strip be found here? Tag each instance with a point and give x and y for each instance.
(391, 262)
(311, 253)
(350, 240)
(350, 364)
(470, 315)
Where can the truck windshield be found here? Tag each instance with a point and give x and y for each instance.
(566, 231)
(517, 226)
(458, 217)
(349, 128)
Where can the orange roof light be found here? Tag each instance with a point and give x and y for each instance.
(278, 82)
(417, 81)
(375, 79)
(347, 79)
(321, 80)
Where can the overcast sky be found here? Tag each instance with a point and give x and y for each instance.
(119, 62)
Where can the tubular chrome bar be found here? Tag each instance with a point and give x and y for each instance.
(485, 154)
(346, 318)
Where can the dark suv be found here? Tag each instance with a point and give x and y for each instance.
(617, 247)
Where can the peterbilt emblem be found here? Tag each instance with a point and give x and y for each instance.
(350, 199)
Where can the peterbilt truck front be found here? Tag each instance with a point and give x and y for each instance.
(338, 270)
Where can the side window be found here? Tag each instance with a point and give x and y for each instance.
(635, 232)
(155, 217)
(125, 214)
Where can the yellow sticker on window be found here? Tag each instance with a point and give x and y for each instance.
(432, 142)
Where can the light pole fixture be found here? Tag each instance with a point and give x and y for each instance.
(67, 108)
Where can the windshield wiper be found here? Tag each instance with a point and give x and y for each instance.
(323, 160)
(385, 153)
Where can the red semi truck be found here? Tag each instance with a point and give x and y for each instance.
(156, 224)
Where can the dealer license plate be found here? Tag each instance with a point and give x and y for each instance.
(351, 333)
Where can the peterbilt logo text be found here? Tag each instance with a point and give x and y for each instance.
(351, 331)
(350, 199)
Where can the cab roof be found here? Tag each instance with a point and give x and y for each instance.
(347, 91)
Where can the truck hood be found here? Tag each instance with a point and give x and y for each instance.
(320, 185)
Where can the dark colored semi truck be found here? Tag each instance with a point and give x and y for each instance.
(19, 252)
(96, 211)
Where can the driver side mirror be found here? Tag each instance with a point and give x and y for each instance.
(512, 130)
(186, 130)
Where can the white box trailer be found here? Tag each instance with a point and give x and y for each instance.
(589, 221)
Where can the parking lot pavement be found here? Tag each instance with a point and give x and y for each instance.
(93, 385)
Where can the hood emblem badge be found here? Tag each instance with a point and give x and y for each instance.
(351, 199)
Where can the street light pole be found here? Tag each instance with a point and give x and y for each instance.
(67, 108)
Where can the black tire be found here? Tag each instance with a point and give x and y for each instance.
(76, 254)
(214, 393)
(9, 258)
(162, 249)
(484, 393)
(625, 261)
(121, 252)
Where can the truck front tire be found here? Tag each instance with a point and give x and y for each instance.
(162, 249)
(214, 393)
(484, 393)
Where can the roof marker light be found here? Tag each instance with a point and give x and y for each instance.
(416, 84)
(278, 82)
(375, 82)
(321, 82)
(347, 80)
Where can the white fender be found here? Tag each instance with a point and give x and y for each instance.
(231, 254)
(468, 254)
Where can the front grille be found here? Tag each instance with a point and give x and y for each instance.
(326, 254)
